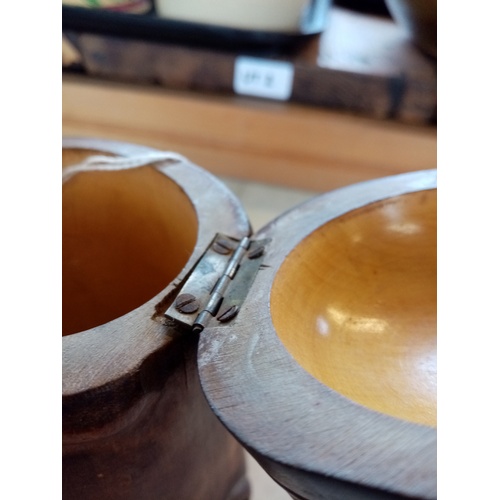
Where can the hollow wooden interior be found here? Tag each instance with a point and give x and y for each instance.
(355, 305)
(135, 421)
(126, 235)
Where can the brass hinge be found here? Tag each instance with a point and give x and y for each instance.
(219, 283)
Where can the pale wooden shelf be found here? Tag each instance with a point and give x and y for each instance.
(277, 143)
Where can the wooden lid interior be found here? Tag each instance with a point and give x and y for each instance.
(355, 305)
(126, 235)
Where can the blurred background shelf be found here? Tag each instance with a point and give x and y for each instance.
(360, 63)
(362, 104)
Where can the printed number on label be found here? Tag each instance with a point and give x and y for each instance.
(263, 78)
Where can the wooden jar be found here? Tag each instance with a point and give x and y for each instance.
(136, 424)
(317, 347)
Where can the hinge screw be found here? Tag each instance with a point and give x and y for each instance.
(256, 253)
(187, 303)
(223, 246)
(228, 314)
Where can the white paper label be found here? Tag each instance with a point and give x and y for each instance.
(263, 78)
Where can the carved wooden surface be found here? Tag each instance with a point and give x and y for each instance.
(135, 422)
(313, 440)
(366, 285)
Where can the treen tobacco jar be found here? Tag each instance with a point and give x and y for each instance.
(312, 343)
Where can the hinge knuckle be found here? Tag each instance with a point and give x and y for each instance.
(220, 281)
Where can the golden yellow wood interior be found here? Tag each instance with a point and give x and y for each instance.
(355, 304)
(126, 236)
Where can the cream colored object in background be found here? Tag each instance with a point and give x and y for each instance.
(263, 15)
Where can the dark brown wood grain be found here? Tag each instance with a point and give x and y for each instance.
(135, 421)
(169, 445)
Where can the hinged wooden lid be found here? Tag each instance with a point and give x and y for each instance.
(373, 245)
